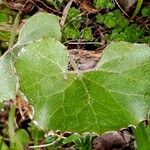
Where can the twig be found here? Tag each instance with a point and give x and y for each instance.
(82, 43)
(45, 145)
(51, 9)
(121, 8)
(65, 13)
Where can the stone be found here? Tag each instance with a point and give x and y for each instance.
(126, 4)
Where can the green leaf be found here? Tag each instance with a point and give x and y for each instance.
(39, 26)
(87, 34)
(70, 32)
(4, 36)
(4, 14)
(142, 136)
(3, 146)
(112, 20)
(7, 78)
(112, 96)
(131, 33)
(146, 11)
(73, 13)
(86, 141)
(104, 4)
(51, 138)
(36, 133)
(56, 3)
(73, 138)
(1, 106)
(3, 17)
(22, 137)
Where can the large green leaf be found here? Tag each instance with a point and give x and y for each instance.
(7, 78)
(39, 26)
(114, 95)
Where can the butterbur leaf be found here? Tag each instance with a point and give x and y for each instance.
(111, 96)
(39, 26)
(7, 78)
(55, 65)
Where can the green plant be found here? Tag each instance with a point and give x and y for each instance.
(4, 27)
(146, 11)
(81, 142)
(45, 61)
(3, 146)
(4, 35)
(131, 33)
(56, 3)
(87, 34)
(142, 135)
(19, 138)
(4, 15)
(104, 4)
(73, 23)
(112, 19)
(70, 32)
(121, 29)
(137, 9)
(112, 95)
